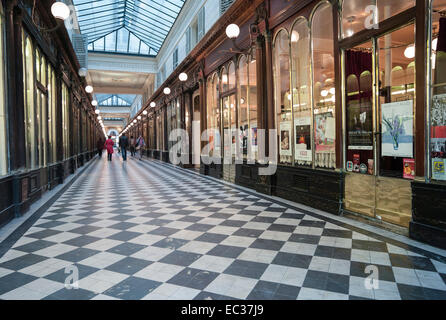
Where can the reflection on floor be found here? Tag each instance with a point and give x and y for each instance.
(145, 230)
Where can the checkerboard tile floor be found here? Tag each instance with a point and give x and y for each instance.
(144, 230)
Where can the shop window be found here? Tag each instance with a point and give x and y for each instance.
(52, 115)
(438, 90)
(41, 109)
(243, 91)
(66, 122)
(252, 72)
(29, 92)
(224, 80)
(282, 95)
(231, 76)
(396, 62)
(3, 118)
(323, 87)
(301, 97)
(358, 15)
(213, 114)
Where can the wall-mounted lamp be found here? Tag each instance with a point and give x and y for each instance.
(94, 103)
(153, 104)
(97, 111)
(166, 91)
(144, 112)
(232, 32)
(83, 72)
(139, 117)
(182, 76)
(89, 89)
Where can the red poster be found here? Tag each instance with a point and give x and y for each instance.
(408, 168)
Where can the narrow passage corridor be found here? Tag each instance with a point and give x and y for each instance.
(148, 230)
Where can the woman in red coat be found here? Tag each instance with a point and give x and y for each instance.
(109, 146)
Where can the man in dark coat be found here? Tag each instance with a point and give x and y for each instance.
(100, 146)
(123, 144)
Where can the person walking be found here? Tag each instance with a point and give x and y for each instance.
(123, 144)
(132, 146)
(100, 146)
(140, 144)
(109, 146)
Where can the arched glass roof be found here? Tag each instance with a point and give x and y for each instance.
(127, 26)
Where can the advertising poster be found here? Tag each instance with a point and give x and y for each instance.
(285, 138)
(438, 136)
(360, 134)
(408, 168)
(303, 139)
(325, 132)
(397, 129)
(438, 169)
(254, 136)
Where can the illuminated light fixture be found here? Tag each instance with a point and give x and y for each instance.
(60, 10)
(152, 104)
(99, 117)
(289, 97)
(97, 111)
(332, 91)
(232, 31)
(134, 121)
(82, 72)
(242, 100)
(139, 117)
(182, 76)
(144, 112)
(89, 89)
(349, 33)
(409, 53)
(166, 90)
(294, 36)
(94, 103)
(224, 78)
(324, 93)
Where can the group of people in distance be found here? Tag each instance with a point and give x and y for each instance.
(135, 145)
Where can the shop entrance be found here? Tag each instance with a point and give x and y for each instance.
(379, 92)
(229, 123)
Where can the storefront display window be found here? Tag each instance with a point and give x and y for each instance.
(301, 97)
(282, 95)
(323, 87)
(29, 88)
(359, 14)
(213, 114)
(52, 115)
(66, 122)
(243, 98)
(3, 118)
(438, 91)
(252, 72)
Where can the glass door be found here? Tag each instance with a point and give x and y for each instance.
(379, 90)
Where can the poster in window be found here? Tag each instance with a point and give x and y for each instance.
(438, 136)
(285, 138)
(254, 136)
(302, 128)
(325, 132)
(408, 168)
(360, 135)
(397, 129)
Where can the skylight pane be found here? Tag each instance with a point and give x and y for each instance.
(99, 45)
(123, 39)
(134, 44)
(110, 42)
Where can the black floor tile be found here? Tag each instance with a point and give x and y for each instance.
(77, 255)
(22, 262)
(180, 258)
(129, 265)
(126, 249)
(226, 251)
(170, 243)
(267, 244)
(193, 278)
(211, 237)
(71, 294)
(247, 269)
(14, 280)
(292, 260)
(132, 288)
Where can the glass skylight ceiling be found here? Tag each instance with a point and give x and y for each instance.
(127, 26)
(114, 100)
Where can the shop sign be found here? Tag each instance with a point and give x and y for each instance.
(408, 168)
